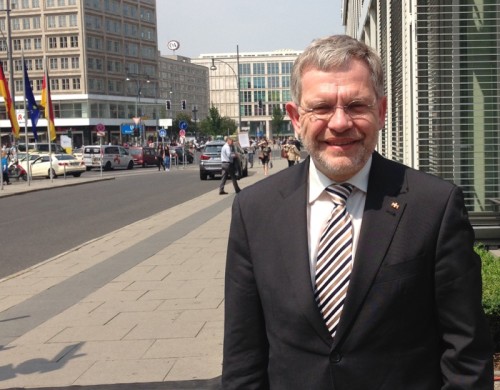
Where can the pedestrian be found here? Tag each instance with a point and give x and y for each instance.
(292, 153)
(5, 167)
(228, 166)
(251, 152)
(351, 271)
(160, 157)
(166, 158)
(265, 155)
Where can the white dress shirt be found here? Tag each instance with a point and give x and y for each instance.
(320, 206)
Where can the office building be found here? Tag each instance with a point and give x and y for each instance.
(102, 57)
(264, 86)
(442, 64)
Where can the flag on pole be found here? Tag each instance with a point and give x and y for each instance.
(46, 102)
(4, 90)
(31, 103)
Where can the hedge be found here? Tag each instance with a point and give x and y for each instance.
(491, 291)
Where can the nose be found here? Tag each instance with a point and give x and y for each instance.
(339, 121)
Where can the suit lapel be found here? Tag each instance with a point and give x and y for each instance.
(384, 207)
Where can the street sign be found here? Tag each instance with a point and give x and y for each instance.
(183, 125)
(162, 133)
(100, 127)
(182, 133)
(100, 134)
(127, 128)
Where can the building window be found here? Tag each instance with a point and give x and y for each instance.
(62, 20)
(74, 41)
(27, 44)
(37, 43)
(285, 81)
(36, 22)
(273, 68)
(75, 62)
(286, 67)
(259, 82)
(52, 42)
(64, 63)
(35, 3)
(50, 3)
(16, 43)
(273, 82)
(244, 69)
(25, 3)
(18, 65)
(54, 84)
(15, 24)
(73, 21)
(76, 83)
(26, 24)
(38, 64)
(259, 68)
(51, 21)
(63, 42)
(65, 84)
(53, 63)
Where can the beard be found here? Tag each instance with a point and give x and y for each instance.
(337, 167)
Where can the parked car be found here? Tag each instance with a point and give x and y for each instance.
(180, 152)
(143, 155)
(211, 165)
(78, 153)
(61, 164)
(107, 156)
(42, 147)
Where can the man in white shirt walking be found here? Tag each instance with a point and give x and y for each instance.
(227, 159)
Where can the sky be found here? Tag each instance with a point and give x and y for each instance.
(218, 26)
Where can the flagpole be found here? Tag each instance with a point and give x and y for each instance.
(28, 167)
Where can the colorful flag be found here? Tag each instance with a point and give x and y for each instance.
(47, 105)
(31, 102)
(4, 91)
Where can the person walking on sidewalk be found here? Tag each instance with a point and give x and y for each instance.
(5, 167)
(160, 156)
(227, 157)
(350, 270)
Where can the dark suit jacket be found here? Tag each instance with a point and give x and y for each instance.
(412, 318)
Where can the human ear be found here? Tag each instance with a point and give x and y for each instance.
(293, 112)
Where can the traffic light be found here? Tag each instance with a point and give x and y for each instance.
(260, 103)
(183, 104)
(168, 104)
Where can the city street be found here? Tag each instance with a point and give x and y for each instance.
(41, 224)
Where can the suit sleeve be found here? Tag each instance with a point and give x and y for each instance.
(466, 360)
(245, 342)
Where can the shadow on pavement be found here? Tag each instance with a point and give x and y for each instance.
(206, 384)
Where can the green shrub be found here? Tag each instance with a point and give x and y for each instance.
(491, 292)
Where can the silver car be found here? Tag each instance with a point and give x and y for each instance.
(211, 165)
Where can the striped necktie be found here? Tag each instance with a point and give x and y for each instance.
(334, 261)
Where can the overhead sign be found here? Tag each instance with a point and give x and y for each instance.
(127, 128)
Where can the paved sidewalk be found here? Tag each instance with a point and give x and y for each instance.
(141, 306)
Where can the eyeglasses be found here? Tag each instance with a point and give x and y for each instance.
(355, 110)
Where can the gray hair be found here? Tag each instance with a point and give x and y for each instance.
(332, 53)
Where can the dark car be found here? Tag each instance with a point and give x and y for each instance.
(143, 155)
(183, 155)
(211, 165)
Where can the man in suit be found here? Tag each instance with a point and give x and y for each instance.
(408, 314)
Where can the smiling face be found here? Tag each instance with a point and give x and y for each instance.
(340, 146)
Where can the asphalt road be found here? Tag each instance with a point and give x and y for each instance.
(39, 225)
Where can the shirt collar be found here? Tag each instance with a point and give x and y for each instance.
(318, 181)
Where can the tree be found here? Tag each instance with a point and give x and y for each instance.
(214, 124)
(277, 120)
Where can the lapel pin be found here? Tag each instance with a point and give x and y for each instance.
(395, 205)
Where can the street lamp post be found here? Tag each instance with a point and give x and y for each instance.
(138, 83)
(237, 76)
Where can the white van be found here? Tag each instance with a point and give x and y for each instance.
(109, 156)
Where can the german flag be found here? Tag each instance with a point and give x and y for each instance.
(4, 91)
(46, 103)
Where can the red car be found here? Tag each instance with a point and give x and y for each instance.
(143, 155)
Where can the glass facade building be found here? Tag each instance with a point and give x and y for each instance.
(442, 64)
